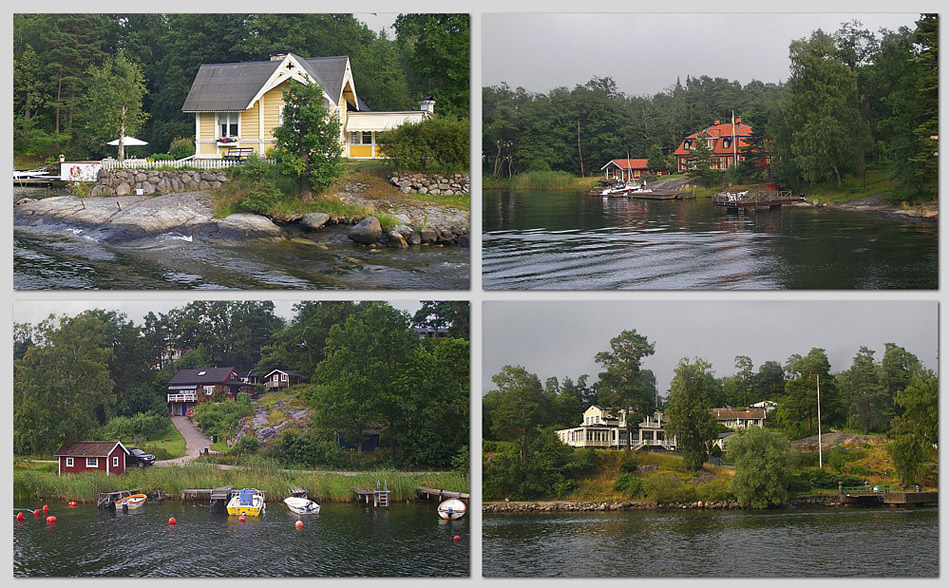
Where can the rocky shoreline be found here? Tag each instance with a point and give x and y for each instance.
(928, 212)
(505, 507)
(123, 219)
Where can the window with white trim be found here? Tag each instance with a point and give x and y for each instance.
(361, 138)
(69, 462)
(228, 124)
(115, 461)
(92, 462)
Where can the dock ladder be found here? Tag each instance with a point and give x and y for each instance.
(381, 496)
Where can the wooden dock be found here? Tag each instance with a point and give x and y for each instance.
(378, 497)
(108, 499)
(438, 493)
(215, 496)
(755, 199)
(885, 495)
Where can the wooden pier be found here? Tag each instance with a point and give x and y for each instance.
(216, 496)
(379, 497)
(755, 199)
(436, 492)
(885, 495)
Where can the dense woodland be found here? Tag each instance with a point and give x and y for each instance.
(893, 395)
(57, 58)
(855, 100)
(364, 365)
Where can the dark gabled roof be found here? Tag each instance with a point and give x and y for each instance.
(224, 87)
(88, 449)
(204, 377)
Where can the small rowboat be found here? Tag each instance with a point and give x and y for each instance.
(133, 501)
(452, 509)
(301, 505)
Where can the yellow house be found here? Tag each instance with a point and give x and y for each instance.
(237, 105)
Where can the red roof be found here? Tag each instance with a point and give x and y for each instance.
(718, 132)
(628, 163)
(723, 414)
(88, 449)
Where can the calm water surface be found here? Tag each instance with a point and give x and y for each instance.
(343, 540)
(879, 542)
(567, 240)
(60, 258)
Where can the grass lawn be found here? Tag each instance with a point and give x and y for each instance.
(874, 182)
(168, 444)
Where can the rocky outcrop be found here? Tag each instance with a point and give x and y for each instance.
(119, 219)
(431, 183)
(367, 231)
(122, 182)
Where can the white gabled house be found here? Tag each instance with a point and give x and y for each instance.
(601, 429)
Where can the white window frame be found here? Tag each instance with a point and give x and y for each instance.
(70, 462)
(115, 461)
(283, 377)
(221, 117)
(92, 462)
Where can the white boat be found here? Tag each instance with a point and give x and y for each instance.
(247, 502)
(133, 501)
(452, 509)
(301, 505)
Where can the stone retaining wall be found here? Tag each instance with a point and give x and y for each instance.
(121, 182)
(431, 183)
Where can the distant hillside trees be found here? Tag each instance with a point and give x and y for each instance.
(855, 100)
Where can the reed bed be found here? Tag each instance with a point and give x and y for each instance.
(275, 481)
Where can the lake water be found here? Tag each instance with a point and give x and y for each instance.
(56, 258)
(342, 540)
(880, 542)
(568, 240)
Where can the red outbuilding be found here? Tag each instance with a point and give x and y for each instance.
(88, 456)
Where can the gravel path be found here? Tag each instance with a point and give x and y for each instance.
(195, 441)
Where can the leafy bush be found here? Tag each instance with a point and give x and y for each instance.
(220, 419)
(714, 490)
(435, 144)
(666, 489)
(181, 148)
(628, 466)
(629, 485)
(246, 444)
(144, 424)
(461, 462)
(307, 451)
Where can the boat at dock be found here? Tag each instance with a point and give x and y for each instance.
(132, 502)
(248, 501)
(452, 509)
(301, 505)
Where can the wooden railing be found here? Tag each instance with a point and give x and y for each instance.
(192, 397)
(189, 163)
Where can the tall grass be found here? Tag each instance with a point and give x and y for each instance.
(546, 180)
(261, 474)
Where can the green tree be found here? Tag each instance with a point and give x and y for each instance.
(861, 383)
(687, 408)
(301, 345)
(745, 377)
(435, 49)
(764, 463)
(59, 383)
(916, 432)
(452, 315)
(702, 164)
(769, 381)
(308, 138)
(520, 409)
(113, 103)
(620, 383)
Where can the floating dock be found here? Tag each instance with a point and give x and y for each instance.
(748, 199)
(378, 497)
(216, 496)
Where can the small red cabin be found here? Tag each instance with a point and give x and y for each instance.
(87, 456)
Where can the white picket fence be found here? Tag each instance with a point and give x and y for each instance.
(188, 162)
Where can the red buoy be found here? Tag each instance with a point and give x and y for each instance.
(36, 512)
(50, 519)
(242, 518)
(19, 517)
(172, 521)
(72, 503)
(299, 524)
(456, 538)
(45, 508)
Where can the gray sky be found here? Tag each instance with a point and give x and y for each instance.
(560, 338)
(33, 311)
(644, 53)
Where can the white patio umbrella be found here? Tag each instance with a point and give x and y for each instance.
(128, 141)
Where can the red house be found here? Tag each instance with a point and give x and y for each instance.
(90, 456)
(727, 141)
(625, 169)
(189, 387)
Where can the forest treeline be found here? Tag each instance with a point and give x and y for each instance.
(364, 364)
(54, 54)
(895, 396)
(855, 100)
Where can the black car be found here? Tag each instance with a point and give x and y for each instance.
(139, 458)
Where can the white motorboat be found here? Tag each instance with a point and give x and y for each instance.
(301, 505)
(452, 509)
